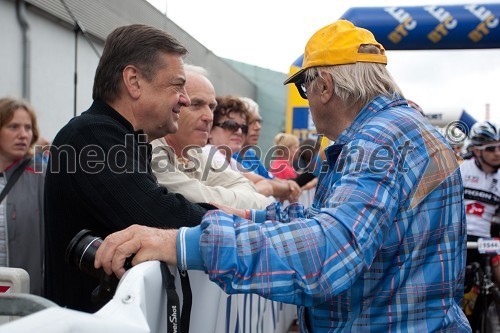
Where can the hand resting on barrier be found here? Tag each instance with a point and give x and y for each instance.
(146, 243)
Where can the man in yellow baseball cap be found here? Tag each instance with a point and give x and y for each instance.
(338, 44)
(382, 248)
(394, 183)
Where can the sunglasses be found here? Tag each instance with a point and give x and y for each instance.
(490, 148)
(301, 85)
(232, 126)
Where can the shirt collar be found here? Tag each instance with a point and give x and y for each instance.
(376, 105)
(101, 107)
(16, 162)
(332, 153)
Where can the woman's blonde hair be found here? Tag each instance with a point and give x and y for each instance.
(285, 139)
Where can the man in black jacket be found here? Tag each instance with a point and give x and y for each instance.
(99, 175)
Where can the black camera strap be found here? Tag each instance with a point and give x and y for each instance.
(177, 322)
(186, 300)
(173, 300)
(13, 178)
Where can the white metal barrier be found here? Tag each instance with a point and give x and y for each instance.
(306, 198)
(140, 305)
(13, 280)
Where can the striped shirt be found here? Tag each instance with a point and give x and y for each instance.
(382, 248)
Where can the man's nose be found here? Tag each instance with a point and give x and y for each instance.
(208, 115)
(184, 98)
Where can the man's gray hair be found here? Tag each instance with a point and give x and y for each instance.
(196, 69)
(137, 44)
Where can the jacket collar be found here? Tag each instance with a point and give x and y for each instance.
(370, 110)
(101, 107)
(13, 166)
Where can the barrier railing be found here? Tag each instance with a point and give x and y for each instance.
(140, 305)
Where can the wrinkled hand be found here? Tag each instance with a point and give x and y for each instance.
(229, 209)
(264, 187)
(145, 242)
(295, 191)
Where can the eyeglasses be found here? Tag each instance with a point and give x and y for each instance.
(232, 125)
(490, 148)
(301, 85)
(255, 121)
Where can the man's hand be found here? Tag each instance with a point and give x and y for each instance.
(230, 210)
(145, 242)
(295, 191)
(286, 190)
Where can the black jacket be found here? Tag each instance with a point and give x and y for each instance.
(99, 178)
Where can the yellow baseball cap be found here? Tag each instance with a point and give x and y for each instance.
(338, 44)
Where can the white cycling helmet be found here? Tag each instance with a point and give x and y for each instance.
(483, 132)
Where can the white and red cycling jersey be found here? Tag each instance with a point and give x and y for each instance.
(482, 198)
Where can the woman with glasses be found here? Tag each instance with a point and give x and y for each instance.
(227, 137)
(229, 129)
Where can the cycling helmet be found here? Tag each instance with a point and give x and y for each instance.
(483, 132)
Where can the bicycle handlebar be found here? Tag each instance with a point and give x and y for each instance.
(471, 245)
(485, 245)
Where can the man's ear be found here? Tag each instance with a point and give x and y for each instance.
(326, 87)
(131, 83)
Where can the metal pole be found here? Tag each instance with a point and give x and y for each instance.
(75, 85)
(26, 50)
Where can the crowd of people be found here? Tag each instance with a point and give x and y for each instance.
(165, 169)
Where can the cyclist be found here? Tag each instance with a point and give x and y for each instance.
(482, 189)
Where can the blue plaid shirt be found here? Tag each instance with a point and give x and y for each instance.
(381, 249)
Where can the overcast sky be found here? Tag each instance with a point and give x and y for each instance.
(273, 33)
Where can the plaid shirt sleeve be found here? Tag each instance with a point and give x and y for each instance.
(276, 212)
(307, 260)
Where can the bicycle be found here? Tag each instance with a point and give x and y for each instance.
(486, 307)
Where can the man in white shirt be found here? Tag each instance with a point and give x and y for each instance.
(179, 164)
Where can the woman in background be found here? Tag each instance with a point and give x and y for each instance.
(21, 208)
(286, 146)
